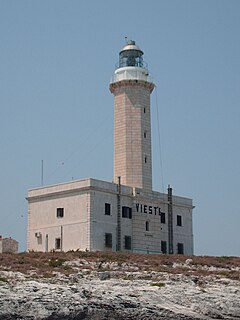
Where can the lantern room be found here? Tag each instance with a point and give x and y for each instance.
(131, 56)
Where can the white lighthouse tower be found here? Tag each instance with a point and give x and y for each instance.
(132, 86)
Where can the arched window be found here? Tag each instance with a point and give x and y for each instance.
(147, 225)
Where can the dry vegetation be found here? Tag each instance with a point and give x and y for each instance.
(45, 264)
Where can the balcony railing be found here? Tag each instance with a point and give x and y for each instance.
(131, 73)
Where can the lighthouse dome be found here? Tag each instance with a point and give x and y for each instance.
(131, 45)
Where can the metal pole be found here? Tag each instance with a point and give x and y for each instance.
(46, 243)
(61, 238)
(119, 215)
(170, 221)
(42, 172)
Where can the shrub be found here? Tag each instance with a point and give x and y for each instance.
(56, 263)
(3, 279)
(158, 284)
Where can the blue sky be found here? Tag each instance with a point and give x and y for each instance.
(56, 61)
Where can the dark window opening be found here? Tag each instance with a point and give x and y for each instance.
(108, 209)
(60, 212)
(179, 220)
(164, 247)
(163, 217)
(180, 249)
(145, 159)
(128, 243)
(145, 134)
(127, 212)
(58, 243)
(144, 110)
(147, 226)
(108, 240)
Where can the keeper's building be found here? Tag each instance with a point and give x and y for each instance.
(124, 215)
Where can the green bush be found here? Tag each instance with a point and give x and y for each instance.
(158, 284)
(56, 263)
(3, 279)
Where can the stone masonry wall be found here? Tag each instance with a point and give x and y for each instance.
(132, 134)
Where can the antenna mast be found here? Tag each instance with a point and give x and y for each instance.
(42, 173)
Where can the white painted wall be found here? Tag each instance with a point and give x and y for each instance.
(84, 223)
(74, 224)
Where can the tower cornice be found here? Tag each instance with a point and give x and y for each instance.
(125, 83)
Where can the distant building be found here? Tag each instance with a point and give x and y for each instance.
(8, 245)
(126, 215)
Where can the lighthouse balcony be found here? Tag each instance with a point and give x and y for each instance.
(131, 73)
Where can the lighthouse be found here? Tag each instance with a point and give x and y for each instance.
(121, 215)
(131, 86)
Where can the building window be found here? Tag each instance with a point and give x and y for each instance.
(147, 226)
(144, 110)
(179, 220)
(145, 159)
(60, 212)
(58, 243)
(128, 243)
(108, 240)
(38, 235)
(127, 212)
(180, 249)
(145, 134)
(108, 209)
(163, 217)
(164, 247)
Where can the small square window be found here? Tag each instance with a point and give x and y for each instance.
(108, 240)
(179, 220)
(108, 209)
(164, 247)
(58, 243)
(163, 217)
(128, 243)
(180, 248)
(127, 212)
(60, 212)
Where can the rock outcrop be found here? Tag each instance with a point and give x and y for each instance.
(113, 290)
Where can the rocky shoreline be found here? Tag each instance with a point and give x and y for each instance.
(113, 290)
